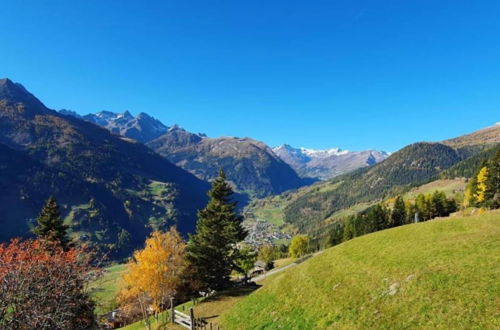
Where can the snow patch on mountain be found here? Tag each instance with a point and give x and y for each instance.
(325, 164)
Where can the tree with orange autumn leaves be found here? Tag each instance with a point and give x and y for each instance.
(42, 286)
(154, 276)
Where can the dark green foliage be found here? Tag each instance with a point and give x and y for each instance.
(493, 181)
(468, 167)
(379, 217)
(245, 261)
(336, 235)
(212, 249)
(50, 226)
(434, 205)
(398, 214)
(412, 166)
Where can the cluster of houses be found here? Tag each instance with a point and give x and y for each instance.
(262, 232)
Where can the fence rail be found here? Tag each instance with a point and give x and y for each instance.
(189, 321)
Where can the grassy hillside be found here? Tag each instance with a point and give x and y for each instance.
(449, 186)
(438, 274)
(106, 288)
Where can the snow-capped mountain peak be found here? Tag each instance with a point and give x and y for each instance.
(324, 153)
(325, 164)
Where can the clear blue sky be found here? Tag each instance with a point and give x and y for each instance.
(355, 74)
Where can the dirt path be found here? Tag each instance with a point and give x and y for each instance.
(277, 270)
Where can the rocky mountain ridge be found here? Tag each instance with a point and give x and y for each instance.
(326, 164)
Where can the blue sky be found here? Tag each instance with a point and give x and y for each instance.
(355, 74)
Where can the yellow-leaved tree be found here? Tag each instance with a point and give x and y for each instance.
(482, 178)
(154, 276)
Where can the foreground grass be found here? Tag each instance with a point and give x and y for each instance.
(208, 309)
(106, 288)
(211, 308)
(438, 274)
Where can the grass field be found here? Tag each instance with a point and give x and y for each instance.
(106, 288)
(441, 274)
(448, 186)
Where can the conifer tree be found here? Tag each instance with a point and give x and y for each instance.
(378, 216)
(493, 181)
(398, 214)
(50, 226)
(212, 249)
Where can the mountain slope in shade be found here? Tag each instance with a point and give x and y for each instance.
(113, 191)
(250, 165)
(326, 164)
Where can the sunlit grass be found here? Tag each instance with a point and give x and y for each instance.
(437, 274)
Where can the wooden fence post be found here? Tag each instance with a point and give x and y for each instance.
(172, 310)
(193, 321)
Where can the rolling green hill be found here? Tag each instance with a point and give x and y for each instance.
(441, 274)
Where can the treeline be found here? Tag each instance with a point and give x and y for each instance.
(381, 216)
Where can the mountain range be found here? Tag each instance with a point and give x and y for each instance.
(312, 208)
(118, 177)
(113, 191)
(254, 169)
(326, 164)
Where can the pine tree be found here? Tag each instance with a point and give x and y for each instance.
(438, 201)
(336, 234)
(212, 250)
(493, 181)
(50, 226)
(398, 214)
(378, 216)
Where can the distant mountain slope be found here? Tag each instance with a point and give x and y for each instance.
(486, 136)
(114, 191)
(142, 128)
(326, 164)
(250, 165)
(411, 166)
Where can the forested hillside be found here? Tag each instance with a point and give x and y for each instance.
(411, 166)
(113, 191)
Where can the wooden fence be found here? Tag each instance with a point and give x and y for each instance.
(189, 321)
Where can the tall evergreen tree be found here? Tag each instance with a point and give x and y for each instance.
(439, 204)
(378, 216)
(398, 214)
(50, 226)
(212, 249)
(493, 181)
(336, 235)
